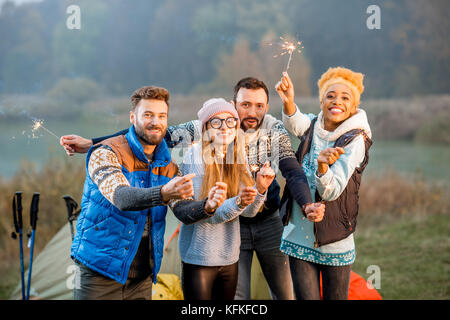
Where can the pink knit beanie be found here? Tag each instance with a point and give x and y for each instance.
(215, 106)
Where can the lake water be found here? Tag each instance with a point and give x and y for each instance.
(17, 143)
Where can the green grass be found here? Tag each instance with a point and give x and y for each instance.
(412, 253)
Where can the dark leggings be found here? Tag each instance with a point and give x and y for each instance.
(306, 280)
(209, 283)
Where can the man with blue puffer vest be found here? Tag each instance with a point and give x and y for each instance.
(130, 180)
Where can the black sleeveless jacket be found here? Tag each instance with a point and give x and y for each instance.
(340, 215)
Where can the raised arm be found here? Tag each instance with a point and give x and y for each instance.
(298, 122)
(185, 133)
(73, 143)
(118, 133)
(295, 121)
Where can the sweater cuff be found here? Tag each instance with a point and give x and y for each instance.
(324, 179)
(155, 195)
(133, 199)
(190, 211)
(261, 196)
(292, 115)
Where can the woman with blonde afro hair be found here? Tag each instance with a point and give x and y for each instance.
(333, 153)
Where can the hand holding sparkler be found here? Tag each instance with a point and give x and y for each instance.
(315, 211)
(216, 196)
(247, 195)
(75, 144)
(327, 157)
(264, 178)
(285, 89)
(178, 188)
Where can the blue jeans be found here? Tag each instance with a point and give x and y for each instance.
(306, 279)
(264, 238)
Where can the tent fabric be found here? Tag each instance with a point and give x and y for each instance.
(168, 287)
(53, 270)
(360, 289)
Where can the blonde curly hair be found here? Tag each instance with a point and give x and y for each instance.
(353, 80)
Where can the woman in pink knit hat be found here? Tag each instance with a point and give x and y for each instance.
(209, 249)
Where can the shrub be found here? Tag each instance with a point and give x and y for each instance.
(435, 129)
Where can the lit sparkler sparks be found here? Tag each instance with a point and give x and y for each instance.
(289, 47)
(38, 124)
(254, 169)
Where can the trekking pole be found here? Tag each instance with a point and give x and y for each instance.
(34, 208)
(17, 217)
(71, 206)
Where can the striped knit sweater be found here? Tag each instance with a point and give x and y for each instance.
(214, 241)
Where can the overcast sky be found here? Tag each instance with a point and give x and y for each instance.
(18, 1)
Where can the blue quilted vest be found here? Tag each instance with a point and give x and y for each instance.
(107, 239)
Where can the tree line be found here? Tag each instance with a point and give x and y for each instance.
(192, 46)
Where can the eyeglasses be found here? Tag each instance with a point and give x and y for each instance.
(217, 123)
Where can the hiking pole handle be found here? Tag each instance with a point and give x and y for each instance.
(18, 225)
(17, 211)
(71, 206)
(34, 209)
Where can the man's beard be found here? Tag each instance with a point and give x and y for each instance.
(255, 128)
(150, 139)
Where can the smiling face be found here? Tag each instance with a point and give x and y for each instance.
(223, 135)
(338, 104)
(150, 120)
(252, 106)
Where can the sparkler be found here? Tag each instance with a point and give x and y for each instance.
(328, 185)
(38, 124)
(289, 47)
(221, 156)
(254, 170)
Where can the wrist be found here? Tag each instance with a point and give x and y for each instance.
(304, 208)
(208, 208)
(261, 190)
(289, 108)
(322, 168)
(239, 202)
(164, 195)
